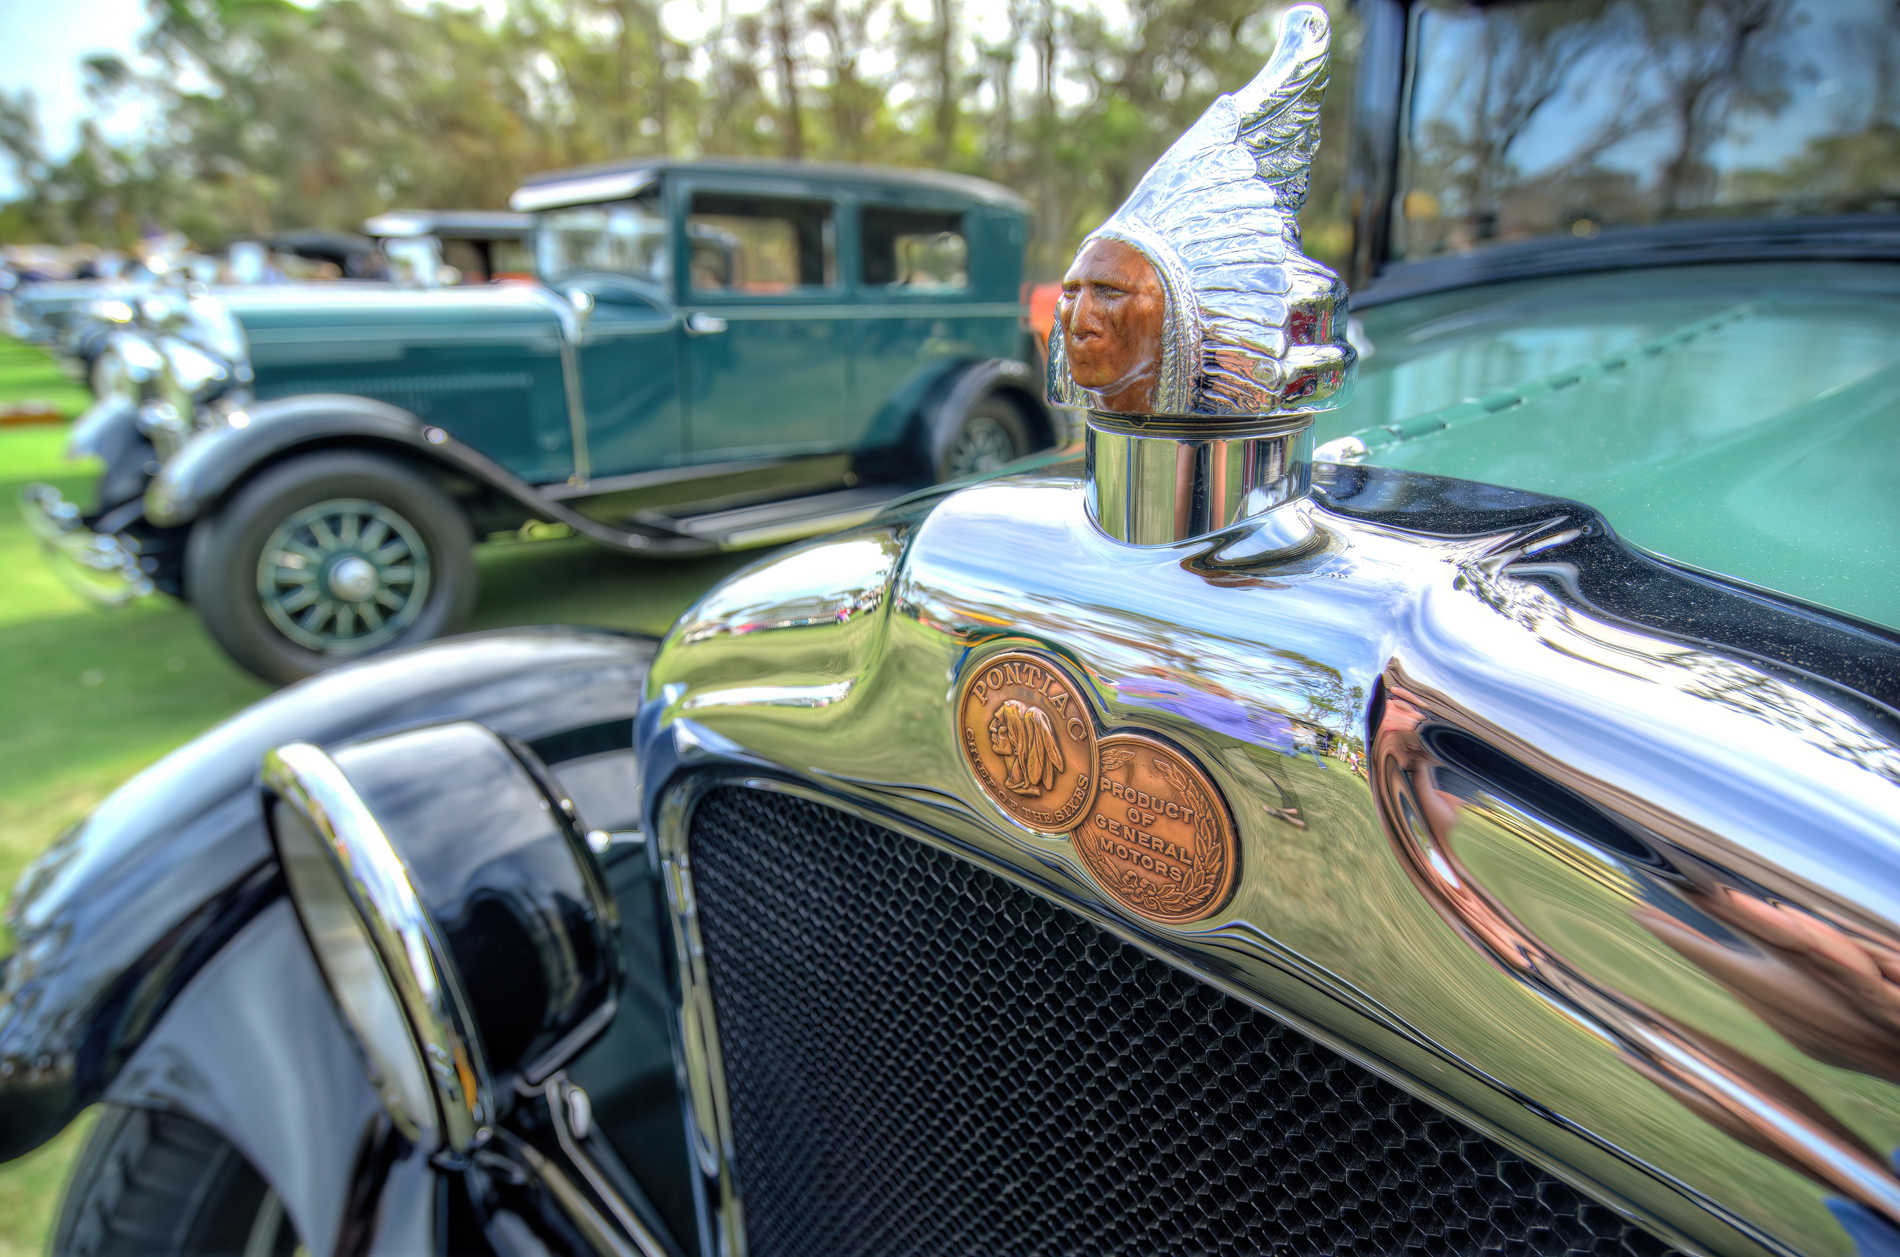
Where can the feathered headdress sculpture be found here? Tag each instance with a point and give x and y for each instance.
(1248, 325)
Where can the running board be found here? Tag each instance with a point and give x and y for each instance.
(773, 523)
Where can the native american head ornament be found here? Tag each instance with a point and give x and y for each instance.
(1194, 301)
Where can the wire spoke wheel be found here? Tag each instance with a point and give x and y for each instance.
(983, 445)
(343, 576)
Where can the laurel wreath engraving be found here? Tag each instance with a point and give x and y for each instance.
(1210, 864)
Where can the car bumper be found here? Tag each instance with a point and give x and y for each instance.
(100, 567)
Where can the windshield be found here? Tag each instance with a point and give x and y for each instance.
(628, 238)
(1568, 116)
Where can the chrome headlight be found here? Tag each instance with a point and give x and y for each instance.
(111, 380)
(213, 326)
(456, 913)
(112, 310)
(168, 426)
(139, 358)
(161, 308)
(193, 374)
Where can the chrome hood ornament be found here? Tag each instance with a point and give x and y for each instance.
(1191, 315)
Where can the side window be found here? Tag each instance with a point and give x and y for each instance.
(760, 244)
(914, 250)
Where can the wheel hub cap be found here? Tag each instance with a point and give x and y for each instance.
(353, 578)
(343, 576)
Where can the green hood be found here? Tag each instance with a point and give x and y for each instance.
(1744, 419)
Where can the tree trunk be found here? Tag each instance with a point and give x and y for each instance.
(946, 80)
(794, 123)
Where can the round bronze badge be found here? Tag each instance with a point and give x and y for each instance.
(1159, 839)
(1029, 737)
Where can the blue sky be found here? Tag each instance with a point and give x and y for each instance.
(42, 43)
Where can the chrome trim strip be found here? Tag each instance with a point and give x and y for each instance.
(620, 331)
(564, 1049)
(556, 1092)
(414, 956)
(601, 1235)
(584, 190)
(407, 333)
(572, 387)
(665, 475)
(703, 1101)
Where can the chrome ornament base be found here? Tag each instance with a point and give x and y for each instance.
(1158, 490)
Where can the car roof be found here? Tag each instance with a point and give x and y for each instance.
(452, 224)
(318, 240)
(608, 181)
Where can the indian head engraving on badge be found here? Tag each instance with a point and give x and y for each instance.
(1159, 839)
(1194, 300)
(1029, 738)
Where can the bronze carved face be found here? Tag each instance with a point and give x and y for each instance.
(1112, 313)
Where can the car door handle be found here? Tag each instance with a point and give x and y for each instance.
(699, 323)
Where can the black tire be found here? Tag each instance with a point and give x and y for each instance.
(152, 1184)
(990, 434)
(226, 577)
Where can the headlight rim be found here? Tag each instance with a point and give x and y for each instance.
(413, 956)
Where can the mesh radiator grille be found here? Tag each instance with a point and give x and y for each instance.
(924, 1058)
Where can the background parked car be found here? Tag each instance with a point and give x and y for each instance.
(477, 246)
(718, 355)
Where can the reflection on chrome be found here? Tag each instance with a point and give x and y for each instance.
(1422, 800)
(1629, 900)
(1521, 113)
(1155, 490)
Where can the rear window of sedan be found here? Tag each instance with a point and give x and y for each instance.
(912, 250)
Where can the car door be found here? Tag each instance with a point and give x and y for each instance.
(767, 358)
(627, 354)
(913, 283)
(937, 286)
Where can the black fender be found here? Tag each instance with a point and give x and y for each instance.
(218, 460)
(1017, 381)
(109, 431)
(114, 921)
(254, 1049)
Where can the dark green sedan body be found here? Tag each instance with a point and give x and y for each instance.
(712, 355)
(835, 359)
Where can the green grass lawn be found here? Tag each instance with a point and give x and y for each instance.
(26, 374)
(88, 697)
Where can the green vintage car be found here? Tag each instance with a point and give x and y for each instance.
(1559, 288)
(715, 355)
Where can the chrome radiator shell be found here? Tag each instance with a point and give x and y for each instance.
(1555, 979)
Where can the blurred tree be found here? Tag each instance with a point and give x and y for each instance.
(272, 114)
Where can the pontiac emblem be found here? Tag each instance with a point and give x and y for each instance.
(1159, 838)
(1029, 738)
